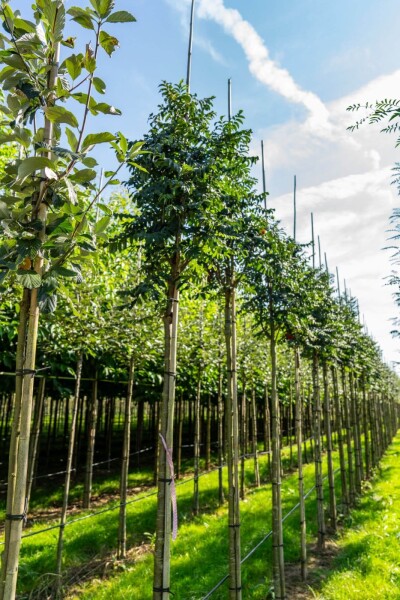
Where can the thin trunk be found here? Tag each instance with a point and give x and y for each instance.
(299, 435)
(342, 460)
(15, 431)
(267, 432)
(71, 445)
(161, 581)
(123, 490)
(243, 435)
(179, 441)
(196, 506)
(328, 434)
(277, 526)
(208, 433)
(317, 452)
(35, 438)
(254, 438)
(235, 578)
(347, 425)
(87, 491)
(357, 434)
(221, 495)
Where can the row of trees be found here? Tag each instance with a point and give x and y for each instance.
(192, 231)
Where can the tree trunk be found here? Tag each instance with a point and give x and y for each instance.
(161, 581)
(267, 432)
(221, 495)
(317, 452)
(277, 526)
(235, 581)
(328, 434)
(208, 433)
(123, 490)
(35, 438)
(243, 436)
(87, 491)
(299, 436)
(71, 445)
(342, 460)
(254, 438)
(15, 430)
(181, 410)
(347, 425)
(197, 447)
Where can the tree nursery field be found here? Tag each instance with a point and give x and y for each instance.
(190, 405)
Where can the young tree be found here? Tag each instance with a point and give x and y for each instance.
(44, 225)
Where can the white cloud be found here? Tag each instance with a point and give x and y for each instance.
(183, 8)
(262, 66)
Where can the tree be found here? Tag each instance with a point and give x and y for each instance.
(44, 227)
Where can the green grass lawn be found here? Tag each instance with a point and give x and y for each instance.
(367, 566)
(199, 555)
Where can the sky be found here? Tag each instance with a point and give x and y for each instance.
(295, 67)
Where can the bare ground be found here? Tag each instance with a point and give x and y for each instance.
(318, 564)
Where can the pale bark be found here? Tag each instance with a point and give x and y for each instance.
(235, 585)
(277, 527)
(162, 565)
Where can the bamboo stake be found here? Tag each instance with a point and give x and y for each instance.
(294, 208)
(263, 175)
(190, 48)
(313, 240)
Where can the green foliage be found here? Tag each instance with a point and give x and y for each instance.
(49, 190)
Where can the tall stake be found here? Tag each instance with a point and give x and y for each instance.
(232, 429)
(263, 175)
(319, 252)
(235, 586)
(294, 207)
(313, 240)
(189, 61)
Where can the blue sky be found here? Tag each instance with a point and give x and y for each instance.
(295, 65)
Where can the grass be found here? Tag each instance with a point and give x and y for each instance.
(368, 563)
(199, 555)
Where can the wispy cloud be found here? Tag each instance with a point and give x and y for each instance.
(266, 70)
(183, 8)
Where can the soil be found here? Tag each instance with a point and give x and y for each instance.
(318, 564)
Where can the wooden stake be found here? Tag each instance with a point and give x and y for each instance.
(294, 207)
(190, 49)
(263, 175)
(313, 240)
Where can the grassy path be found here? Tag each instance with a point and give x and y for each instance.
(367, 566)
